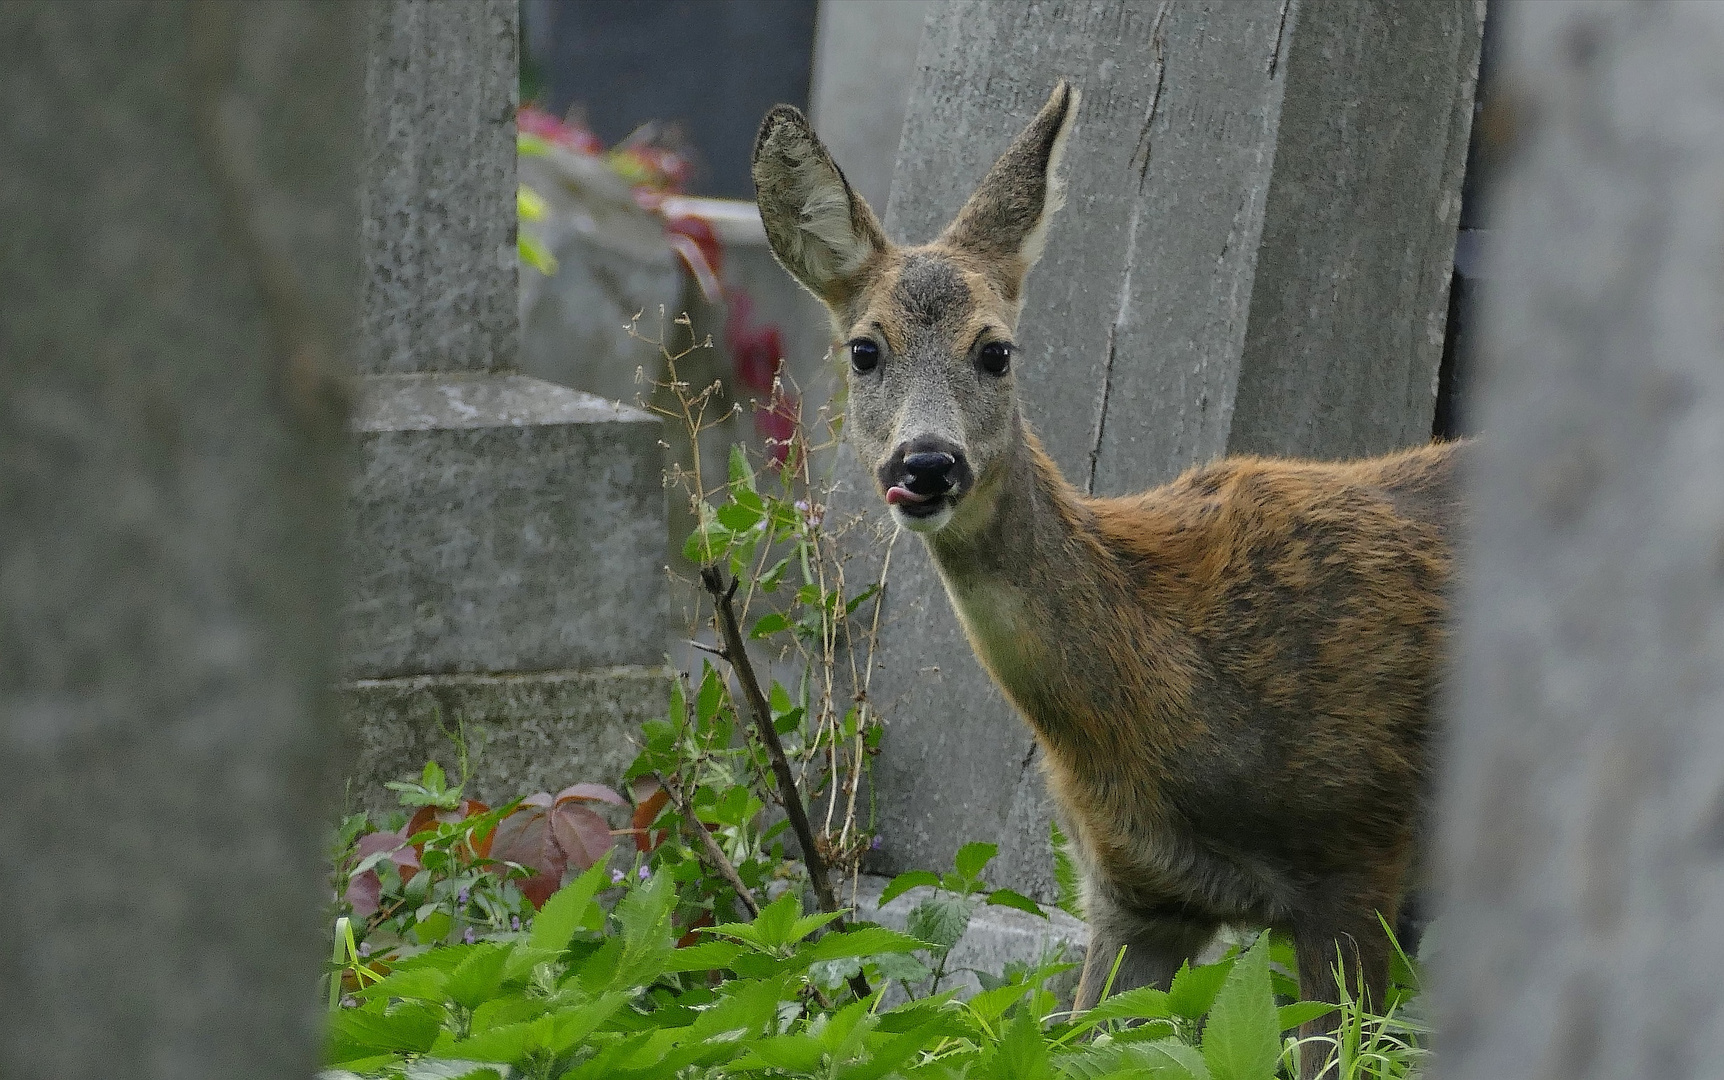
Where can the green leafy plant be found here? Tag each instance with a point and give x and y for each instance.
(705, 937)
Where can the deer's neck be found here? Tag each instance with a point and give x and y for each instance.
(1035, 588)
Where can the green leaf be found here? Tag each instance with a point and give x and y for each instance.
(770, 623)
(557, 921)
(740, 471)
(433, 928)
(1300, 1012)
(479, 977)
(859, 599)
(1022, 1054)
(990, 1005)
(703, 957)
(974, 857)
(785, 723)
(940, 920)
(737, 517)
(862, 941)
(797, 1054)
(1194, 988)
(1142, 1003)
(711, 695)
(357, 1033)
(906, 881)
(1011, 899)
(901, 967)
(1163, 1059)
(1242, 1039)
(416, 983)
(810, 923)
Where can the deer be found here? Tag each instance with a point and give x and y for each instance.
(1232, 677)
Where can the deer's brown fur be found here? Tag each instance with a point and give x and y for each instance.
(1231, 676)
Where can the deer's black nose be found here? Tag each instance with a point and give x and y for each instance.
(929, 472)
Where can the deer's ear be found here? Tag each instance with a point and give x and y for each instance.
(1005, 223)
(820, 230)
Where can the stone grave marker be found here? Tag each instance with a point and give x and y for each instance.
(1254, 257)
(507, 545)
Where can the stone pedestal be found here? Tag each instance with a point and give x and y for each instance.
(508, 533)
(1254, 257)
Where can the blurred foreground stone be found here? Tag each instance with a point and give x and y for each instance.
(1583, 831)
(178, 241)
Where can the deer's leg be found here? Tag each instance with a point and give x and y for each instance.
(1356, 945)
(1156, 944)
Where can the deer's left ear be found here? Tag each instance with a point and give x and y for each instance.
(820, 230)
(1005, 223)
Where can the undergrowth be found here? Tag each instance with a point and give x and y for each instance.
(686, 924)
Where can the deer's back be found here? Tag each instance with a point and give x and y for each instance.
(1298, 612)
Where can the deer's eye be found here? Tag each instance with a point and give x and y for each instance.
(864, 355)
(996, 357)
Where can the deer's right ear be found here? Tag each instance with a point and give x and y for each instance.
(820, 230)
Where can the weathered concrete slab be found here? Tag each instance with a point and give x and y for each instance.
(1254, 256)
(1583, 833)
(526, 732)
(503, 523)
(177, 261)
(442, 84)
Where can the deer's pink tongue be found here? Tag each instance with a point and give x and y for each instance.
(901, 494)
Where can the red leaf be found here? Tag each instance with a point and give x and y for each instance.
(375, 843)
(539, 888)
(364, 892)
(591, 793)
(645, 814)
(583, 835)
(524, 837)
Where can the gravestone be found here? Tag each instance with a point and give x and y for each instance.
(1254, 257)
(1583, 833)
(177, 262)
(864, 68)
(507, 542)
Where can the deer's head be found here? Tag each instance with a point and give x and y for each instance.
(929, 331)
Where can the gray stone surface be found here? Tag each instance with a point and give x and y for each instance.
(1254, 256)
(864, 68)
(177, 261)
(997, 936)
(1583, 839)
(439, 232)
(525, 732)
(503, 523)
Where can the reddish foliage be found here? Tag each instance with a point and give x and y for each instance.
(645, 814)
(550, 834)
(365, 890)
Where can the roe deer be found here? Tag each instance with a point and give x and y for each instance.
(1231, 677)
